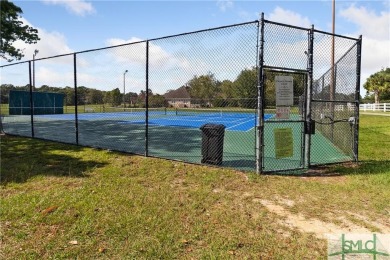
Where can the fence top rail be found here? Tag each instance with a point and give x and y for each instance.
(287, 25)
(283, 69)
(131, 43)
(337, 35)
(15, 63)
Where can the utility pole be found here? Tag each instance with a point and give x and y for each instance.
(332, 90)
(124, 89)
(35, 54)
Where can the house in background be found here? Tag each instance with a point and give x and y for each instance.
(178, 98)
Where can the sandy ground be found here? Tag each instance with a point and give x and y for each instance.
(320, 228)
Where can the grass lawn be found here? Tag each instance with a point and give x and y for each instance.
(63, 201)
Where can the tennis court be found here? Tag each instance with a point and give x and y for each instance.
(193, 118)
(175, 134)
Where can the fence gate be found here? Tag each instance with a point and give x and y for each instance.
(284, 119)
(285, 80)
(308, 100)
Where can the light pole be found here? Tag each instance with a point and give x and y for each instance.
(35, 54)
(124, 89)
(332, 75)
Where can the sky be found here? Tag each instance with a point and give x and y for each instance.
(67, 26)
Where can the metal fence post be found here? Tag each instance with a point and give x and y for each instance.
(308, 120)
(357, 98)
(31, 101)
(147, 101)
(260, 104)
(75, 98)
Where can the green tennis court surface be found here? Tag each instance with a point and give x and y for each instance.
(177, 137)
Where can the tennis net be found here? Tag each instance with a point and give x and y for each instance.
(211, 112)
(136, 111)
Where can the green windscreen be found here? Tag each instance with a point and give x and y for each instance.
(43, 103)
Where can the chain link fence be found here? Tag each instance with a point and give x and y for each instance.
(335, 104)
(246, 96)
(285, 59)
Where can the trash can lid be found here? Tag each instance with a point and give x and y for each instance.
(212, 126)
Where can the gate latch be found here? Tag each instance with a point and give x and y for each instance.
(352, 121)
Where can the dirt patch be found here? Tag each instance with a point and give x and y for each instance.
(288, 203)
(384, 227)
(311, 225)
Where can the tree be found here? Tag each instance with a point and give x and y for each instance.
(227, 89)
(141, 98)
(116, 97)
(245, 87)
(107, 98)
(4, 92)
(94, 96)
(12, 29)
(82, 95)
(378, 83)
(157, 101)
(204, 87)
(131, 98)
(69, 96)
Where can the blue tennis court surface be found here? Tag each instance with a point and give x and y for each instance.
(233, 121)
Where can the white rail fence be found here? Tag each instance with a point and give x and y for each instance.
(380, 107)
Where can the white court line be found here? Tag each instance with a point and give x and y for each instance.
(240, 119)
(185, 127)
(178, 119)
(191, 128)
(255, 126)
(217, 118)
(240, 124)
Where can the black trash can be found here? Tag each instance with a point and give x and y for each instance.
(212, 143)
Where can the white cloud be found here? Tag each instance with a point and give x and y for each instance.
(371, 24)
(78, 7)
(51, 43)
(376, 37)
(224, 5)
(48, 75)
(54, 71)
(162, 64)
(136, 53)
(289, 17)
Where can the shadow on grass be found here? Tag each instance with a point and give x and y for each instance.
(366, 167)
(240, 164)
(23, 158)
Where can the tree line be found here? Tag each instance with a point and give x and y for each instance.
(88, 96)
(241, 92)
(204, 90)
